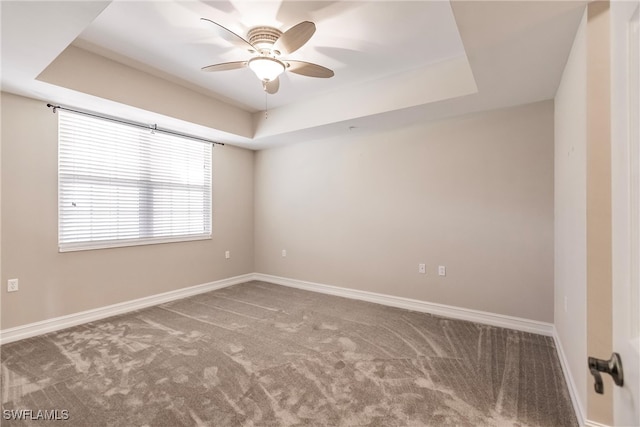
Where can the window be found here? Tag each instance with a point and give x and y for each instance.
(119, 185)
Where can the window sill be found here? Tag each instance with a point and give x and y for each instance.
(110, 244)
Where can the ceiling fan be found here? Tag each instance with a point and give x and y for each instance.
(268, 44)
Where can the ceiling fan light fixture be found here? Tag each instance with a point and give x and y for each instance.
(266, 68)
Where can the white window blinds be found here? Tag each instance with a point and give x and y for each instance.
(119, 185)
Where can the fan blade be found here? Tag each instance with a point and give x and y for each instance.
(309, 69)
(230, 36)
(271, 86)
(225, 66)
(295, 37)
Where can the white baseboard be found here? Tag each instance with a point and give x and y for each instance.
(50, 325)
(483, 317)
(58, 323)
(590, 423)
(571, 385)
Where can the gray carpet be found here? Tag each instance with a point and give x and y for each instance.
(259, 354)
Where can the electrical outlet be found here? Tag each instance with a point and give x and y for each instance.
(422, 269)
(227, 254)
(12, 285)
(442, 270)
(284, 252)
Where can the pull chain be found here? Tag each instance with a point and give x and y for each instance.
(266, 107)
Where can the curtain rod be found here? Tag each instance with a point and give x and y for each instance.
(153, 127)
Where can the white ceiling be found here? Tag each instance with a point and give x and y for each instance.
(395, 62)
(358, 40)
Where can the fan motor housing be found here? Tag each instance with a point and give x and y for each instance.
(263, 38)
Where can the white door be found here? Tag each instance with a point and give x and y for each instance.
(625, 145)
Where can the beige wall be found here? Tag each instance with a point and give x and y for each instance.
(571, 214)
(599, 285)
(360, 211)
(473, 193)
(87, 72)
(54, 284)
